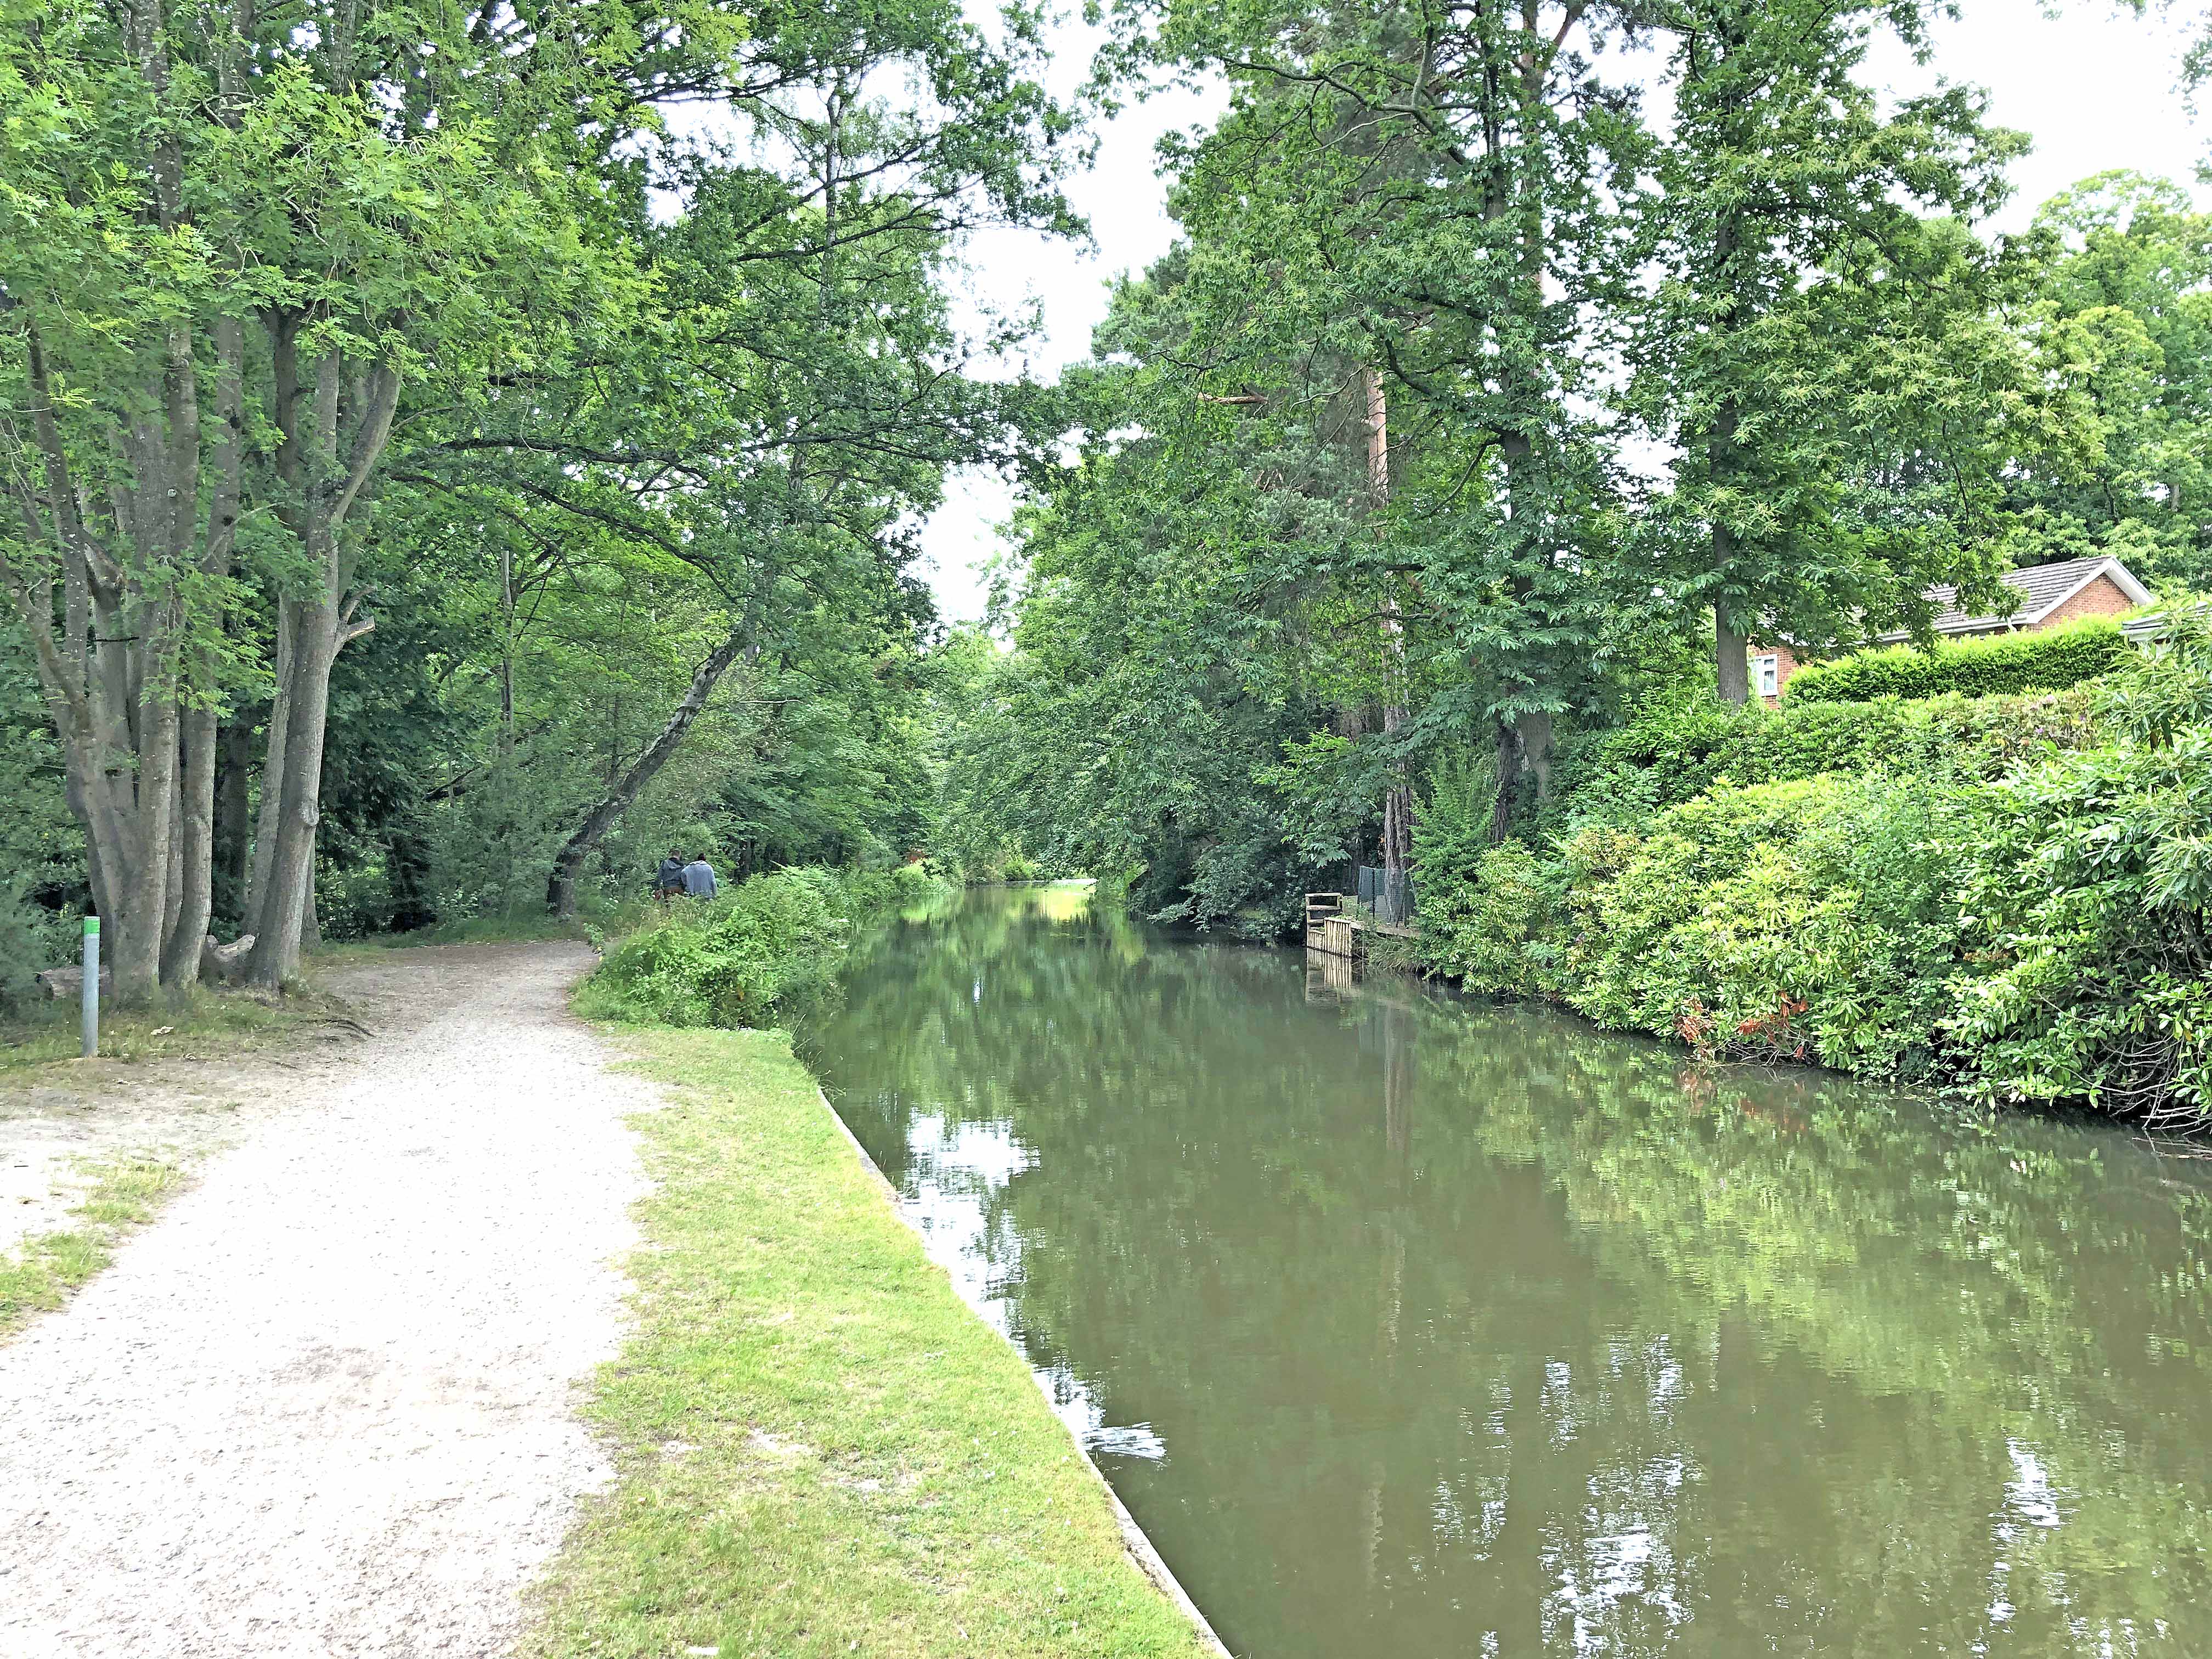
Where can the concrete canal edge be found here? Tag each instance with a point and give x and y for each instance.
(1142, 1554)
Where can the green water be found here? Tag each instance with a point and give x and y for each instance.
(1409, 1326)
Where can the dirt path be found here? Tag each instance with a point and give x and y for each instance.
(323, 1405)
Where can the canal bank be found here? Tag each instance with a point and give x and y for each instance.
(819, 1448)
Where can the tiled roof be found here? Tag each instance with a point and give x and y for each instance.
(2042, 587)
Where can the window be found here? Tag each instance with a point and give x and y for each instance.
(1766, 672)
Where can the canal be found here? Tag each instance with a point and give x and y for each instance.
(1407, 1325)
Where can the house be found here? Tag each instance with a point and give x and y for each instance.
(2049, 594)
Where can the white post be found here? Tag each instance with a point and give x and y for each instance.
(91, 999)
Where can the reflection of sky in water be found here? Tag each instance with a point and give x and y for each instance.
(950, 1178)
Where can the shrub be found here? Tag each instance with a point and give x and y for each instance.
(730, 961)
(2086, 899)
(2006, 906)
(1490, 928)
(1672, 753)
(2000, 664)
(1813, 919)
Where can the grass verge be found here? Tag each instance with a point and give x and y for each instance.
(821, 1450)
(40, 1272)
(197, 1024)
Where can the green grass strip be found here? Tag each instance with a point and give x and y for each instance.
(821, 1449)
(40, 1272)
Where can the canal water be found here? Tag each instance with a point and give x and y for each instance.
(1410, 1327)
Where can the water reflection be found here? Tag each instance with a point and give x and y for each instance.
(1408, 1326)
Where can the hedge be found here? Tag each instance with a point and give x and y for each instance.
(1671, 754)
(2001, 664)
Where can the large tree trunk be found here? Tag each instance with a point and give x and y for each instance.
(1731, 658)
(281, 923)
(110, 672)
(561, 885)
(141, 900)
(1397, 843)
(1524, 770)
(234, 830)
(191, 905)
(316, 626)
(272, 770)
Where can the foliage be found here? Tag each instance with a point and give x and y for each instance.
(727, 961)
(1487, 929)
(737, 959)
(2087, 897)
(1814, 919)
(1826, 350)
(1977, 906)
(2046, 661)
(1483, 906)
(2121, 313)
(1674, 749)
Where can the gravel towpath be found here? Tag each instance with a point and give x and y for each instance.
(325, 1405)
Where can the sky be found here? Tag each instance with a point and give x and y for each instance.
(2093, 86)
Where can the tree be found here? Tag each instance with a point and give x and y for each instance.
(2120, 309)
(229, 238)
(1440, 196)
(1825, 363)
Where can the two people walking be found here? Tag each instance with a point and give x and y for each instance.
(693, 879)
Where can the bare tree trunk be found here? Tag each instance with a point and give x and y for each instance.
(143, 903)
(195, 848)
(1397, 848)
(272, 770)
(1502, 809)
(233, 833)
(192, 904)
(561, 885)
(319, 626)
(280, 926)
(1731, 662)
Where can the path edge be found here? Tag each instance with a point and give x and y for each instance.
(1140, 1550)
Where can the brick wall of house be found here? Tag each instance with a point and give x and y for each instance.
(1785, 665)
(2101, 597)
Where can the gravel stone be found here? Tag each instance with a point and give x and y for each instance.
(326, 1403)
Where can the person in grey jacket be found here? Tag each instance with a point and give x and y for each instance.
(668, 879)
(699, 877)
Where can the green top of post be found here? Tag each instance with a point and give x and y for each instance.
(92, 924)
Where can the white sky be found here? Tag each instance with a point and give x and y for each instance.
(2094, 87)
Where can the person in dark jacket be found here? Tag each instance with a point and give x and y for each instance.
(699, 877)
(668, 880)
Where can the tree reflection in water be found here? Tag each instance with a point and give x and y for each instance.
(1409, 1325)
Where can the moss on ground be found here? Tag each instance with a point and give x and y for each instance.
(40, 1272)
(821, 1449)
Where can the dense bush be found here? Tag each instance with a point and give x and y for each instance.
(1672, 753)
(2002, 663)
(734, 960)
(1486, 917)
(2035, 934)
(1813, 919)
(728, 961)
(2087, 898)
